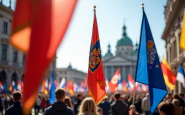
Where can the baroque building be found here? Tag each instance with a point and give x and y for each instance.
(174, 10)
(11, 60)
(125, 57)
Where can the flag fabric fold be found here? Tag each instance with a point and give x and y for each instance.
(96, 80)
(169, 76)
(181, 75)
(38, 27)
(148, 70)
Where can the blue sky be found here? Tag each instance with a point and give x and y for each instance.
(111, 16)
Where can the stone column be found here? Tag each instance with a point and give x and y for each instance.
(105, 72)
(112, 71)
(177, 44)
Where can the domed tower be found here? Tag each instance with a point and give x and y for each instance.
(124, 45)
(109, 53)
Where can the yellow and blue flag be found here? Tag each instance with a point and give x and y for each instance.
(148, 69)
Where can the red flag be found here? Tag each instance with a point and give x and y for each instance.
(96, 80)
(125, 86)
(114, 81)
(69, 87)
(38, 28)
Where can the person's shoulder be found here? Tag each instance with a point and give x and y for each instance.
(70, 111)
(48, 109)
(9, 110)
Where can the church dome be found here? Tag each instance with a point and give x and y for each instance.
(125, 40)
(109, 53)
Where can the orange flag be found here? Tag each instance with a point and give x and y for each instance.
(38, 28)
(96, 80)
(69, 87)
(169, 76)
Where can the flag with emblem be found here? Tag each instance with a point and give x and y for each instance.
(96, 80)
(148, 70)
(113, 84)
(39, 23)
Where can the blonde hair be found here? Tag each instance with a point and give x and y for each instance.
(68, 102)
(88, 106)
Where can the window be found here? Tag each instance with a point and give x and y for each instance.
(4, 51)
(15, 56)
(5, 27)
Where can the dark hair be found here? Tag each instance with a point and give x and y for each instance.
(181, 94)
(169, 94)
(17, 96)
(176, 96)
(167, 107)
(79, 95)
(60, 93)
(117, 95)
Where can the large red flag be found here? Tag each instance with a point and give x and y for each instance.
(38, 28)
(96, 80)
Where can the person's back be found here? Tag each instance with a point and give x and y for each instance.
(118, 107)
(178, 109)
(105, 106)
(59, 107)
(145, 105)
(77, 104)
(16, 108)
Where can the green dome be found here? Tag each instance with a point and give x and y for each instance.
(109, 53)
(125, 40)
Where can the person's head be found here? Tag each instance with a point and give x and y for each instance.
(68, 102)
(100, 111)
(176, 102)
(106, 99)
(123, 98)
(166, 108)
(181, 95)
(17, 96)
(117, 96)
(60, 94)
(88, 105)
(80, 96)
(176, 96)
(132, 109)
(170, 95)
(147, 95)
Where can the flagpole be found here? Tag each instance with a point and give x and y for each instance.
(142, 5)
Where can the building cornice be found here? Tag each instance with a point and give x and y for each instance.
(7, 9)
(173, 15)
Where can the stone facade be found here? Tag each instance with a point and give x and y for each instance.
(174, 10)
(70, 74)
(11, 60)
(125, 58)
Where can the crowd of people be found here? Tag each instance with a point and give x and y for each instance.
(117, 104)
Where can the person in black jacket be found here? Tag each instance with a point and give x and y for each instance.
(16, 108)
(77, 104)
(105, 105)
(118, 107)
(59, 107)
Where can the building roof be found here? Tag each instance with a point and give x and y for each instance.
(109, 53)
(125, 40)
